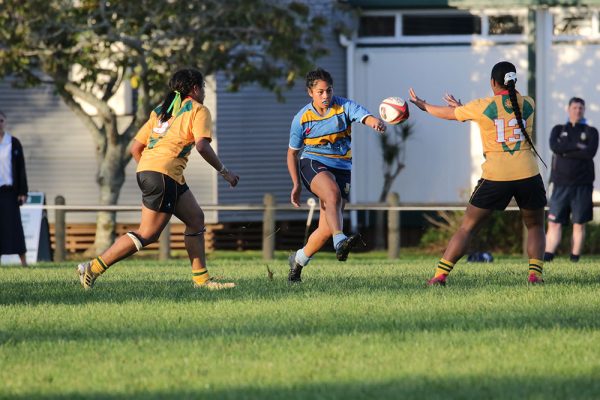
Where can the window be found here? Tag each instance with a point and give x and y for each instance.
(443, 26)
(377, 26)
(573, 24)
(506, 24)
(450, 24)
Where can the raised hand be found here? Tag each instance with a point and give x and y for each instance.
(451, 100)
(416, 100)
(375, 123)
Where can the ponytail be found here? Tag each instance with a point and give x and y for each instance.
(181, 84)
(167, 106)
(512, 95)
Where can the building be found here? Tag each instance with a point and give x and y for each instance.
(251, 137)
(441, 46)
(434, 46)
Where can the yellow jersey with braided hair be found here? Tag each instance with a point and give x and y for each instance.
(168, 144)
(508, 154)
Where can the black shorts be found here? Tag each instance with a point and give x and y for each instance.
(575, 200)
(529, 193)
(310, 168)
(160, 192)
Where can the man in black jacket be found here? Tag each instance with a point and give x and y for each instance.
(574, 146)
(13, 193)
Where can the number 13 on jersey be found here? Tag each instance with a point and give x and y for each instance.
(517, 135)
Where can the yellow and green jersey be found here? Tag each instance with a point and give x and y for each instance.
(168, 144)
(508, 155)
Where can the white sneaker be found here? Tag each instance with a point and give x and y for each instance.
(86, 276)
(211, 284)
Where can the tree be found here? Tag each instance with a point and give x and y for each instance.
(393, 150)
(87, 48)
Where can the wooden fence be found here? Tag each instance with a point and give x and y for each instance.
(173, 236)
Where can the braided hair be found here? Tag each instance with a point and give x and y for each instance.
(504, 74)
(318, 74)
(181, 84)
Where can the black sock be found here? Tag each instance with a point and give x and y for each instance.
(574, 258)
(548, 256)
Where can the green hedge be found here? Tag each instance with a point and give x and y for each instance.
(502, 233)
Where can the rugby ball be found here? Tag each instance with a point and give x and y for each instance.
(393, 110)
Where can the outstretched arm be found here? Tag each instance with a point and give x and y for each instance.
(374, 123)
(444, 112)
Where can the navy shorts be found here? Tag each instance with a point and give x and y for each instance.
(575, 200)
(529, 194)
(310, 168)
(160, 192)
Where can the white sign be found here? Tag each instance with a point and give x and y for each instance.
(31, 217)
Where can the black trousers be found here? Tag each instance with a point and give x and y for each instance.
(12, 239)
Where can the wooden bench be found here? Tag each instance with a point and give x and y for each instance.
(226, 236)
(79, 237)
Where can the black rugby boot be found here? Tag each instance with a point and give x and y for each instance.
(341, 252)
(295, 270)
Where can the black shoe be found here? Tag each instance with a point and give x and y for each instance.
(548, 257)
(574, 258)
(341, 252)
(295, 270)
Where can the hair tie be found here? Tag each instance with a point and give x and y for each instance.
(510, 76)
(176, 103)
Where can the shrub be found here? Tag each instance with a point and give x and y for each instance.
(501, 233)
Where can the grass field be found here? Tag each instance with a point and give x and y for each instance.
(366, 329)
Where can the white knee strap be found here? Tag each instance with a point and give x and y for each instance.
(136, 241)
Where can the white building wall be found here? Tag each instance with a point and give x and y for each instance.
(444, 158)
(439, 162)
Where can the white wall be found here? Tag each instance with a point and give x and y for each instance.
(444, 157)
(439, 162)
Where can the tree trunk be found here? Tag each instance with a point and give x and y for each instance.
(111, 176)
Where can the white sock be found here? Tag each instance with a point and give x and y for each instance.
(338, 238)
(302, 258)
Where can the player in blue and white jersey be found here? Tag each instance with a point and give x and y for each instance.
(320, 155)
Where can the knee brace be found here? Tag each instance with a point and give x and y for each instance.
(196, 234)
(137, 240)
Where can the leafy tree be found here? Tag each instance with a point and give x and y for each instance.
(86, 49)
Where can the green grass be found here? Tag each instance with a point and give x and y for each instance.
(366, 329)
